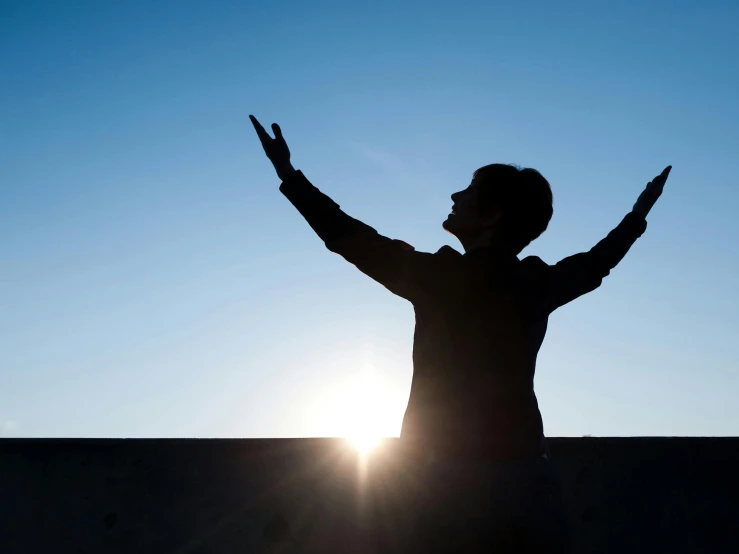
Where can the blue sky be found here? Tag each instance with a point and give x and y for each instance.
(155, 283)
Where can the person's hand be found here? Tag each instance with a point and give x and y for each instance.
(649, 196)
(275, 148)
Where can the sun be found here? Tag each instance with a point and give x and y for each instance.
(365, 443)
(367, 417)
(364, 407)
(365, 439)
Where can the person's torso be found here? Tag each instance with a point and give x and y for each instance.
(474, 356)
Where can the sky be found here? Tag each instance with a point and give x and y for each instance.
(155, 283)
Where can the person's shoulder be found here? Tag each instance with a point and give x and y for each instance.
(447, 252)
(447, 257)
(534, 263)
(404, 245)
(534, 271)
(435, 264)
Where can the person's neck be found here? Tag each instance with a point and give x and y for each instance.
(488, 239)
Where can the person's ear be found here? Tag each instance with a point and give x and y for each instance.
(493, 218)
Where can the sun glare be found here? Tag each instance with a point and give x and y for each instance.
(366, 416)
(364, 442)
(363, 406)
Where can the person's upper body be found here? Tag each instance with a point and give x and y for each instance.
(481, 316)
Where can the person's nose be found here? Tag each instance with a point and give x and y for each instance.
(455, 196)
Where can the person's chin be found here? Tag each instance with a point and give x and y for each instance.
(448, 224)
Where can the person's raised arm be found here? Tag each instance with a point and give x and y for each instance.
(392, 263)
(582, 273)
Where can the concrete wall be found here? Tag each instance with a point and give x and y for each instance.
(313, 495)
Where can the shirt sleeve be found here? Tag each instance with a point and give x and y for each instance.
(582, 273)
(392, 263)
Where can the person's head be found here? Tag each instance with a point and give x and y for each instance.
(505, 206)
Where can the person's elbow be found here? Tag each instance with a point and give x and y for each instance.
(598, 264)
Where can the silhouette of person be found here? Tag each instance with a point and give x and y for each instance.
(481, 317)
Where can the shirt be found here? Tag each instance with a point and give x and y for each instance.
(480, 317)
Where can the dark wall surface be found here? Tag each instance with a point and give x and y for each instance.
(671, 495)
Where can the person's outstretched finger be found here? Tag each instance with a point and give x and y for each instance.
(661, 179)
(651, 192)
(665, 173)
(277, 131)
(261, 133)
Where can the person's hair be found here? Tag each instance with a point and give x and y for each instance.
(524, 198)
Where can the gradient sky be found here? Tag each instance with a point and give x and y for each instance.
(155, 283)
